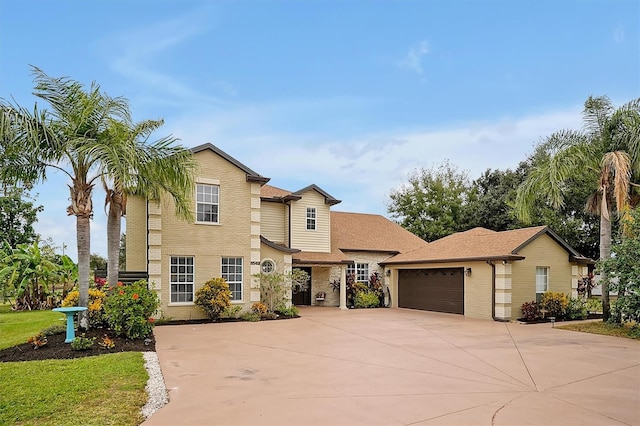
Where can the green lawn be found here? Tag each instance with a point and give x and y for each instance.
(17, 327)
(101, 390)
(106, 389)
(600, 327)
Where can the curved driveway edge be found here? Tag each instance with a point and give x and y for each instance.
(394, 367)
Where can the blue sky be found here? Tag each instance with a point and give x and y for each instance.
(350, 95)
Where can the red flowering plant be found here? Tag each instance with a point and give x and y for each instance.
(128, 311)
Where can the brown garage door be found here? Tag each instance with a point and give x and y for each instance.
(440, 290)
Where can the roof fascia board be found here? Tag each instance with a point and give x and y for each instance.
(453, 260)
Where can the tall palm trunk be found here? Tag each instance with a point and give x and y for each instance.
(114, 226)
(83, 232)
(81, 207)
(605, 253)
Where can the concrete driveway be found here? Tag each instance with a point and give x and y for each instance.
(395, 367)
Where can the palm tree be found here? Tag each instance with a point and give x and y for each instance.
(130, 166)
(607, 153)
(58, 139)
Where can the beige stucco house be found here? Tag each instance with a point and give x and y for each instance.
(243, 227)
(485, 274)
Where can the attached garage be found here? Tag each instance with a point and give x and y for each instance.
(440, 290)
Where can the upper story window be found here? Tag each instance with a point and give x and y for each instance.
(181, 279)
(360, 271)
(542, 281)
(311, 218)
(207, 203)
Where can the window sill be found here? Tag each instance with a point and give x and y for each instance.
(208, 223)
(181, 304)
(237, 302)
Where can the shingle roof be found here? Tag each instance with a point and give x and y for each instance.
(361, 232)
(371, 232)
(268, 191)
(481, 244)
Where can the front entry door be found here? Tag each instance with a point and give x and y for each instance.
(302, 296)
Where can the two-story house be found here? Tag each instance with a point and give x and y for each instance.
(243, 227)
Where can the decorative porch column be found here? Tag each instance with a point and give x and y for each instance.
(343, 287)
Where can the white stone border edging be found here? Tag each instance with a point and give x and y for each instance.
(156, 389)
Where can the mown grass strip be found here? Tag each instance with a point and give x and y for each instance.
(103, 390)
(600, 327)
(17, 327)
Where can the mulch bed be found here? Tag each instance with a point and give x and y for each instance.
(547, 320)
(57, 349)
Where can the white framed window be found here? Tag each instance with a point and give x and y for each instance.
(207, 203)
(360, 270)
(232, 273)
(542, 281)
(181, 279)
(311, 218)
(267, 266)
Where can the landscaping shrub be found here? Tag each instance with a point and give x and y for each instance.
(250, 316)
(96, 306)
(259, 308)
(38, 340)
(269, 316)
(530, 311)
(54, 329)
(214, 297)
(576, 309)
(289, 312)
(594, 305)
(555, 303)
(232, 311)
(82, 343)
(129, 310)
(366, 300)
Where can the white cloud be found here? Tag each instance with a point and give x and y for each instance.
(413, 59)
(360, 169)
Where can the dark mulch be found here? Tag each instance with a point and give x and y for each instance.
(547, 320)
(57, 349)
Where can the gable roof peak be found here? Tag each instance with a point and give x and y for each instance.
(328, 198)
(252, 176)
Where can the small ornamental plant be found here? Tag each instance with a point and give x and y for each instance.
(259, 308)
(365, 299)
(38, 340)
(530, 311)
(554, 303)
(107, 342)
(82, 343)
(95, 308)
(128, 309)
(214, 297)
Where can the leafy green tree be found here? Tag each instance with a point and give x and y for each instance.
(431, 204)
(58, 139)
(122, 254)
(274, 286)
(28, 274)
(622, 272)
(606, 154)
(490, 204)
(18, 213)
(97, 262)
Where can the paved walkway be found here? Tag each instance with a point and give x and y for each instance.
(395, 367)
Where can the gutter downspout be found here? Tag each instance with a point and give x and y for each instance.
(147, 256)
(493, 289)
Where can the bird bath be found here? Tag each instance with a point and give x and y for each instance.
(70, 312)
